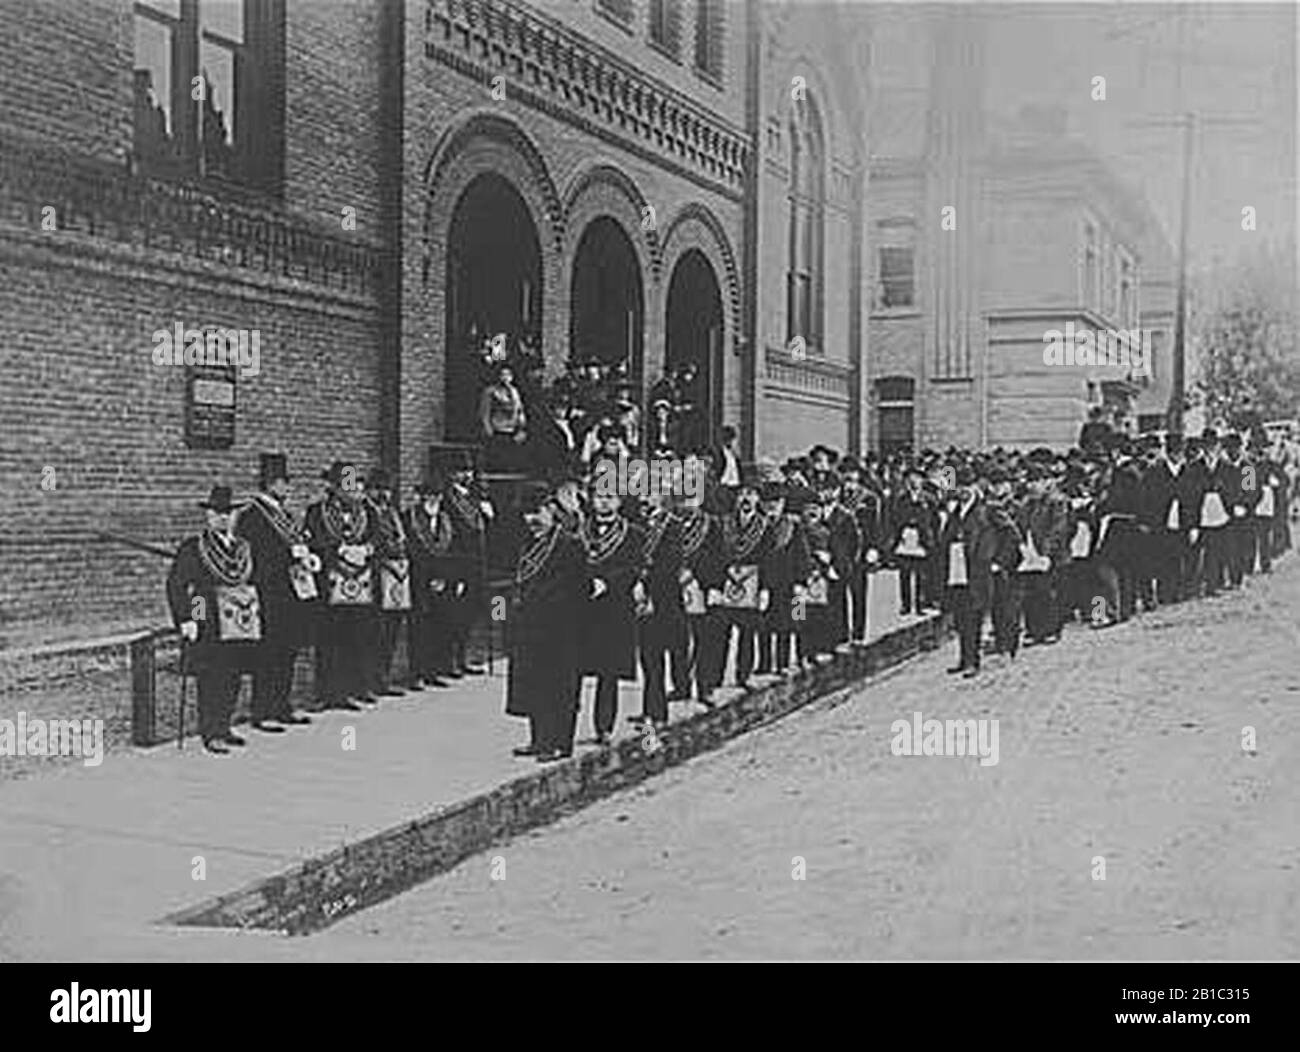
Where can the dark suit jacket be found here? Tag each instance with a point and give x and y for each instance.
(979, 537)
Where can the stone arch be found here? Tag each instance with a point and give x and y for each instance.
(604, 189)
(482, 143)
(695, 226)
(489, 142)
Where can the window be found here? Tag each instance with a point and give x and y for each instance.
(618, 10)
(209, 97)
(1091, 265)
(807, 198)
(897, 284)
(708, 38)
(666, 26)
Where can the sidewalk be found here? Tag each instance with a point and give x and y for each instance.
(92, 858)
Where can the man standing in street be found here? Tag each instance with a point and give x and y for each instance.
(967, 546)
(544, 630)
(341, 532)
(393, 578)
(467, 559)
(429, 537)
(284, 572)
(616, 588)
(214, 604)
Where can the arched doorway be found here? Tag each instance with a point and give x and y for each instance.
(693, 328)
(608, 307)
(494, 285)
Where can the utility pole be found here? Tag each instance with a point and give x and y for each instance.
(1178, 388)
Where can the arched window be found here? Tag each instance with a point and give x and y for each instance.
(807, 197)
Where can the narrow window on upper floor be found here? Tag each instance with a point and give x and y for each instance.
(709, 16)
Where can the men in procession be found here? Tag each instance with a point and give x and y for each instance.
(616, 591)
(341, 532)
(545, 627)
(608, 588)
(393, 578)
(284, 572)
(662, 618)
(214, 604)
(466, 560)
(742, 596)
(429, 533)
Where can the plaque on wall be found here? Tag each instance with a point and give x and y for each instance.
(210, 406)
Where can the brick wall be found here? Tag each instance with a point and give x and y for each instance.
(79, 304)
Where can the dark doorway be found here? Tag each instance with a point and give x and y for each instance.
(694, 334)
(896, 414)
(494, 285)
(607, 307)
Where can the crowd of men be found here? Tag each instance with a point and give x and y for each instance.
(258, 584)
(759, 568)
(532, 427)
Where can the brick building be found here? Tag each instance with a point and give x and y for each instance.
(987, 233)
(361, 186)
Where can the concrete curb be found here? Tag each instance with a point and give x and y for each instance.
(326, 889)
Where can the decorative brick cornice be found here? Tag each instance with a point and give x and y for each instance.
(562, 73)
(106, 201)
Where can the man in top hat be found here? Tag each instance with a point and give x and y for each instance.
(284, 570)
(341, 531)
(846, 544)
(1118, 539)
(662, 619)
(743, 595)
(865, 506)
(1240, 491)
(429, 541)
(214, 604)
(1044, 524)
(814, 575)
(1005, 596)
(616, 590)
(912, 522)
(702, 555)
(967, 548)
(1215, 514)
(470, 513)
(393, 578)
(544, 630)
(786, 566)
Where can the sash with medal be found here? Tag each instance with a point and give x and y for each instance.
(740, 590)
(741, 587)
(351, 585)
(301, 579)
(239, 615)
